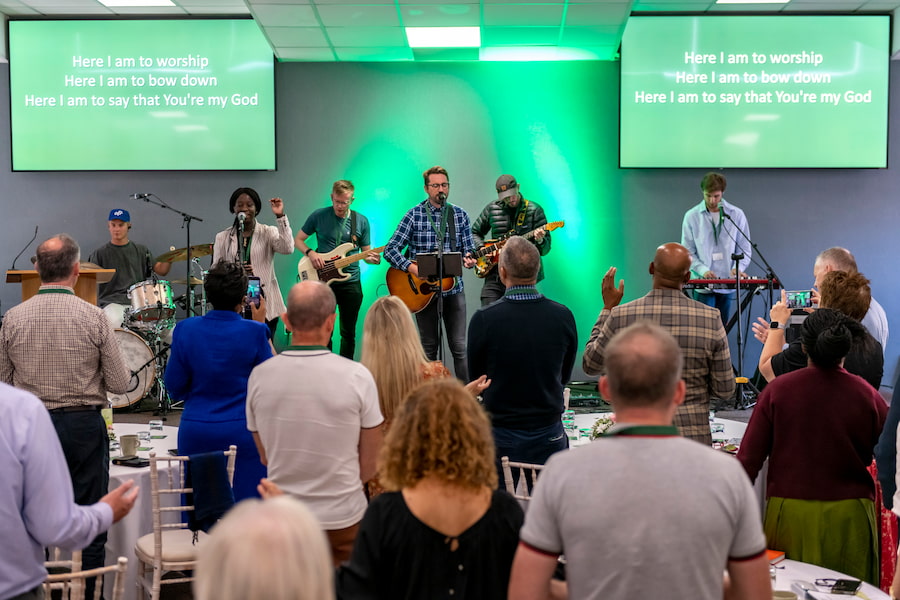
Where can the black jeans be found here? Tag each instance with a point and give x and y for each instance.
(454, 325)
(85, 445)
(493, 288)
(349, 298)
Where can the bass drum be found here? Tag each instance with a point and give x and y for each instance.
(138, 355)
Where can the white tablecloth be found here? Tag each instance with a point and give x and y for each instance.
(789, 571)
(124, 534)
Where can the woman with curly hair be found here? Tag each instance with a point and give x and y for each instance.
(818, 427)
(442, 529)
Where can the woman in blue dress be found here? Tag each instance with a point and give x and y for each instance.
(210, 361)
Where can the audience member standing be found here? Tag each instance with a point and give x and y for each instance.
(62, 349)
(698, 329)
(526, 344)
(818, 427)
(640, 512)
(315, 418)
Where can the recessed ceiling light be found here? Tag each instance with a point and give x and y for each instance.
(443, 37)
(752, 1)
(135, 3)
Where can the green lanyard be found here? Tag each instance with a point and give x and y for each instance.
(55, 291)
(652, 430)
(717, 229)
(246, 248)
(438, 231)
(339, 230)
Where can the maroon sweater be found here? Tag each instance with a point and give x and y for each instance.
(818, 427)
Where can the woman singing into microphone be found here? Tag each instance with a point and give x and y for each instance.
(253, 245)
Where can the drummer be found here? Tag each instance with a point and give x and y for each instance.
(132, 262)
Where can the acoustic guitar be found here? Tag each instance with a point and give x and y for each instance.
(487, 256)
(415, 292)
(336, 260)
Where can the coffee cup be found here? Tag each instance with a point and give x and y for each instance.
(129, 444)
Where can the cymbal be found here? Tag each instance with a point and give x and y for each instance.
(181, 253)
(194, 281)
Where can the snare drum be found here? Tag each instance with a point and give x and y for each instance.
(138, 355)
(151, 301)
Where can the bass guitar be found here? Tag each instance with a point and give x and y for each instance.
(415, 292)
(336, 260)
(487, 256)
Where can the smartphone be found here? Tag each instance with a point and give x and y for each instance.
(846, 586)
(254, 290)
(799, 299)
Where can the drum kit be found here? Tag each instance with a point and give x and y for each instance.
(146, 333)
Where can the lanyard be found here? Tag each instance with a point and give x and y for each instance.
(247, 241)
(438, 231)
(717, 227)
(339, 230)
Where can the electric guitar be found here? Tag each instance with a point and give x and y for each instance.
(487, 256)
(336, 260)
(415, 292)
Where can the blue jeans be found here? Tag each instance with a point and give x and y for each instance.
(529, 446)
(720, 301)
(454, 326)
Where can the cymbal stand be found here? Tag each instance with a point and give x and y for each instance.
(160, 351)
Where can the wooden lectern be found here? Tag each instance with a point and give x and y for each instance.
(85, 287)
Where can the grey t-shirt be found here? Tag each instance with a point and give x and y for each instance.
(644, 517)
(132, 263)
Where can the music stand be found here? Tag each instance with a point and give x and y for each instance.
(435, 266)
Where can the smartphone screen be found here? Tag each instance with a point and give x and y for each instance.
(254, 290)
(846, 586)
(799, 299)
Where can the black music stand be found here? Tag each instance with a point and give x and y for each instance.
(435, 266)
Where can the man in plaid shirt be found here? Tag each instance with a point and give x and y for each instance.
(697, 327)
(419, 231)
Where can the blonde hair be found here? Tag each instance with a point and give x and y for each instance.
(439, 431)
(273, 549)
(392, 352)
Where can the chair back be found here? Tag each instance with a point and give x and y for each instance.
(72, 584)
(517, 485)
(58, 563)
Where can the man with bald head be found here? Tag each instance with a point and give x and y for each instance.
(315, 418)
(697, 328)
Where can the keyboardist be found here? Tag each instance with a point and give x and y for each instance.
(712, 232)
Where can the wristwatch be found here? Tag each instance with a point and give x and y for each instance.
(777, 325)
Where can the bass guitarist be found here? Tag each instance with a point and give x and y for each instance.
(423, 228)
(509, 212)
(332, 227)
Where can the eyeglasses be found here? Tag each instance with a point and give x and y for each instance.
(343, 202)
(437, 186)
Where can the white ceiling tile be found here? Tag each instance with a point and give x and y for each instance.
(283, 15)
(523, 14)
(663, 6)
(358, 37)
(441, 15)
(590, 36)
(597, 13)
(519, 36)
(305, 37)
(305, 54)
(338, 15)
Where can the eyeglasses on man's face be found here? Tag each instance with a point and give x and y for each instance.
(437, 186)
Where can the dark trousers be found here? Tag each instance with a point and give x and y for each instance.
(454, 326)
(493, 288)
(533, 446)
(85, 445)
(349, 298)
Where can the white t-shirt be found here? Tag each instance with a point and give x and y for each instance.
(308, 407)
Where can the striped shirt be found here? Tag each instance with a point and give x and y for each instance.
(416, 232)
(61, 349)
(698, 329)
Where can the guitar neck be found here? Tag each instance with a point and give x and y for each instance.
(349, 260)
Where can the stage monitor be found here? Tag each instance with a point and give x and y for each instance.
(754, 91)
(141, 95)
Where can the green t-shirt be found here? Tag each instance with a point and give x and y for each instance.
(332, 231)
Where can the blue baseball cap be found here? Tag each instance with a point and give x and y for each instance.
(119, 214)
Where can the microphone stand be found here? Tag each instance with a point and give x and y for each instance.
(440, 281)
(187, 218)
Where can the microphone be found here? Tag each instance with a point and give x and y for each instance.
(442, 197)
(139, 196)
(241, 216)
(725, 214)
(13, 268)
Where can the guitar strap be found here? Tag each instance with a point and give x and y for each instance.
(353, 237)
(450, 216)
